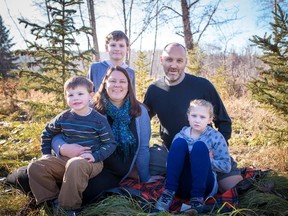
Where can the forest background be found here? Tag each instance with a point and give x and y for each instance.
(252, 80)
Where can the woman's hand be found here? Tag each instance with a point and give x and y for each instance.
(89, 157)
(73, 150)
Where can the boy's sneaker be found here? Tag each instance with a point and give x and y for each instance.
(165, 200)
(197, 203)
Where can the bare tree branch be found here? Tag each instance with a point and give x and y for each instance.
(149, 21)
(193, 3)
(24, 39)
(210, 16)
(172, 9)
(130, 18)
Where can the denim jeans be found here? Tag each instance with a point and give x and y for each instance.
(189, 174)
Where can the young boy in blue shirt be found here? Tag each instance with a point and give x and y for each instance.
(82, 125)
(117, 46)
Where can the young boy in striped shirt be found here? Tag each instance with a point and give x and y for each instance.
(80, 125)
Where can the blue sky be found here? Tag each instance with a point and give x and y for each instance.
(247, 25)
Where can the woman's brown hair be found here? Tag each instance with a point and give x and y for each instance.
(98, 97)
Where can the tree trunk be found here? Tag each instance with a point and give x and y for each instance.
(127, 18)
(155, 41)
(94, 32)
(188, 38)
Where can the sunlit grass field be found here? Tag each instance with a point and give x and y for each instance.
(251, 144)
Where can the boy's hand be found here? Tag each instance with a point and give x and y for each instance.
(89, 157)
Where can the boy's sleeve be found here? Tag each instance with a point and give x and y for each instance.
(51, 130)
(108, 143)
(89, 74)
(222, 120)
(134, 83)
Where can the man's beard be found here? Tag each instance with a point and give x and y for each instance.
(174, 80)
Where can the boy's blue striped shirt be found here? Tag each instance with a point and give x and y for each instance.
(92, 130)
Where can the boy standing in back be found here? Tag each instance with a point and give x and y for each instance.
(117, 46)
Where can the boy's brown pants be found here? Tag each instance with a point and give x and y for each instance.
(73, 173)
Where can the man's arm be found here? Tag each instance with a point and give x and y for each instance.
(222, 120)
(147, 102)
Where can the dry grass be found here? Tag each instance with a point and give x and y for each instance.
(251, 145)
(261, 157)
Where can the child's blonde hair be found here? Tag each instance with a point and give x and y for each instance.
(201, 102)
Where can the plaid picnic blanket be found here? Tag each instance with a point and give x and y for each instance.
(224, 202)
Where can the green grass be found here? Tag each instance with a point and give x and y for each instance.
(20, 143)
(115, 205)
(269, 196)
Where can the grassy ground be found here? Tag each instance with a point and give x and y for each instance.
(251, 145)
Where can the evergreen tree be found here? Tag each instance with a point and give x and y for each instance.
(222, 81)
(143, 79)
(7, 65)
(54, 50)
(7, 58)
(271, 87)
(195, 61)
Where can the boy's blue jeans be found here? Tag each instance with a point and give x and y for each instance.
(189, 174)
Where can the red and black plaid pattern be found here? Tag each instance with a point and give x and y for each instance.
(152, 191)
(225, 202)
